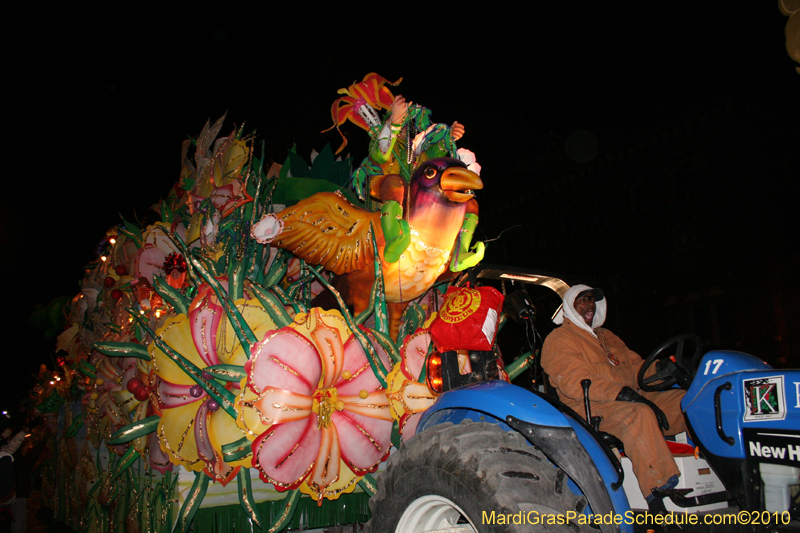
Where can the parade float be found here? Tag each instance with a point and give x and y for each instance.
(246, 355)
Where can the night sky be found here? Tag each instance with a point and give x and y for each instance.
(101, 98)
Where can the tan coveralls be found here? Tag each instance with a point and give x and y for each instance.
(570, 354)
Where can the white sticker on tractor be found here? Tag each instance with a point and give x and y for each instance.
(764, 399)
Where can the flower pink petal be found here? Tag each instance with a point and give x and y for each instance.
(365, 441)
(149, 261)
(356, 363)
(201, 437)
(158, 459)
(284, 360)
(286, 453)
(129, 365)
(204, 317)
(409, 425)
(171, 395)
(414, 352)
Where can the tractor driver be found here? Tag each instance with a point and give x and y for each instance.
(581, 349)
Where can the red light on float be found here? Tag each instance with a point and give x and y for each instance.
(433, 371)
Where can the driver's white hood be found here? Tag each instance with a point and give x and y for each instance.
(568, 310)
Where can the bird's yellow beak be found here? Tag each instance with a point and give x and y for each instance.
(459, 184)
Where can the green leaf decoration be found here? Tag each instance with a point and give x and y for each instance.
(134, 431)
(325, 167)
(134, 231)
(171, 295)
(397, 439)
(278, 268)
(243, 332)
(87, 368)
(72, 430)
(166, 213)
(273, 306)
(374, 361)
(378, 294)
(285, 299)
(246, 497)
(413, 318)
(222, 396)
(298, 166)
(192, 503)
(236, 272)
(122, 349)
(234, 373)
(127, 459)
(367, 483)
(289, 508)
(386, 343)
(234, 451)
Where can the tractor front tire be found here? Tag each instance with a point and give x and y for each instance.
(472, 477)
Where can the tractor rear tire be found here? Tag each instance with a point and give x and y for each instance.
(472, 477)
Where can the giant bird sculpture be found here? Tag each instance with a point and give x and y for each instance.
(326, 229)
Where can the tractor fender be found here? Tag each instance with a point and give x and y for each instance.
(566, 442)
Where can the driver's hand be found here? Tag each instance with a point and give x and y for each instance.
(661, 365)
(627, 394)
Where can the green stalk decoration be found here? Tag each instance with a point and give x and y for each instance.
(243, 332)
(294, 289)
(367, 483)
(520, 364)
(246, 497)
(128, 458)
(166, 213)
(171, 295)
(287, 300)
(74, 427)
(192, 503)
(222, 396)
(377, 298)
(234, 373)
(277, 269)
(236, 271)
(386, 343)
(87, 368)
(253, 256)
(372, 356)
(134, 431)
(414, 318)
(233, 451)
(122, 349)
(289, 507)
(132, 236)
(272, 305)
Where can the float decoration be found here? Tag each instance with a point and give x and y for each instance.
(175, 361)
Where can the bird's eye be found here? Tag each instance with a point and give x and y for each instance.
(430, 172)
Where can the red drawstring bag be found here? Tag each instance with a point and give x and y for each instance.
(467, 319)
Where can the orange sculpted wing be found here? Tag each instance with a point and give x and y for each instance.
(326, 229)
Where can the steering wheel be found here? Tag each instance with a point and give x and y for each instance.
(674, 367)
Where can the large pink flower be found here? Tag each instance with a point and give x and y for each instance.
(319, 413)
(193, 428)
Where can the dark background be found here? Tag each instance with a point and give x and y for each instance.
(651, 149)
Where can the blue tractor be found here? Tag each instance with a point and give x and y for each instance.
(491, 456)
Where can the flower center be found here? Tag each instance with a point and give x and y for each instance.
(326, 401)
